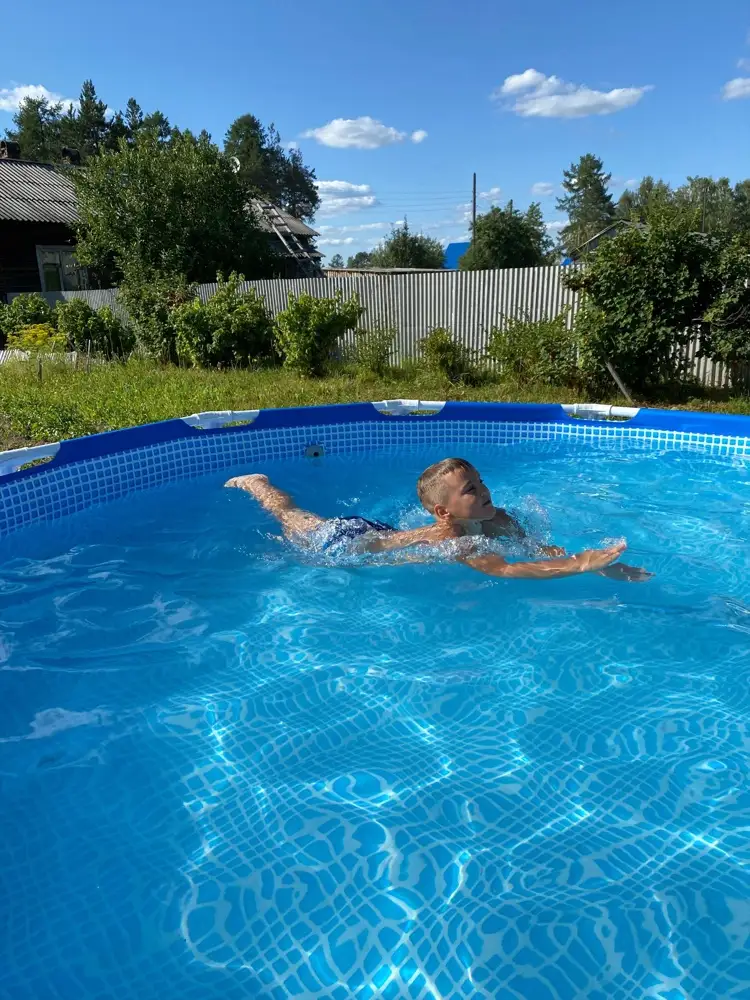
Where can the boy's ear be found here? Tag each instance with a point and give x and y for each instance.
(440, 511)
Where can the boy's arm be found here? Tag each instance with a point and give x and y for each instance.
(504, 525)
(591, 561)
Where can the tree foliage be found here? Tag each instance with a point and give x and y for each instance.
(270, 171)
(506, 237)
(587, 202)
(403, 248)
(701, 204)
(171, 208)
(727, 334)
(644, 290)
(37, 130)
(361, 260)
(336, 262)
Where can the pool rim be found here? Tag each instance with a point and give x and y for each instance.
(72, 450)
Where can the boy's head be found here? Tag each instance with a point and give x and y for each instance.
(454, 488)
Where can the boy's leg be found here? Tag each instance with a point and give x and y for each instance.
(293, 519)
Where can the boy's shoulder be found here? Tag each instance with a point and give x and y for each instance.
(502, 524)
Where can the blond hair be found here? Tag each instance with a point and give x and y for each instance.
(429, 484)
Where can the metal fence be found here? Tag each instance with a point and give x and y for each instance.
(468, 303)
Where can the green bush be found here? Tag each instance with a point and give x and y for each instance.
(24, 310)
(443, 356)
(307, 330)
(726, 337)
(541, 351)
(151, 302)
(98, 330)
(38, 337)
(372, 349)
(232, 328)
(643, 291)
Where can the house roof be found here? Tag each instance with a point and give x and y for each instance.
(36, 192)
(296, 226)
(615, 224)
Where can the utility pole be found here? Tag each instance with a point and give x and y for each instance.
(473, 205)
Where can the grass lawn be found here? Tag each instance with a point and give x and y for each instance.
(68, 402)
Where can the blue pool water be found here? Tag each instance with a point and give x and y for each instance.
(227, 772)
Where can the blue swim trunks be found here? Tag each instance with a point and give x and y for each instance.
(340, 530)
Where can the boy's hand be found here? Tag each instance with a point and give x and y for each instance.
(596, 560)
(628, 574)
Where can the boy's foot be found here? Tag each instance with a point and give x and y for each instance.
(248, 482)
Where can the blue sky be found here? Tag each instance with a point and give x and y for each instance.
(396, 104)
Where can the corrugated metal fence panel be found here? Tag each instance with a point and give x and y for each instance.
(469, 303)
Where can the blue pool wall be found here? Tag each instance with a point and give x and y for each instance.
(92, 470)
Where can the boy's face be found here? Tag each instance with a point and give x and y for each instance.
(465, 497)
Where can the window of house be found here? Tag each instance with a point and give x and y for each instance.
(59, 270)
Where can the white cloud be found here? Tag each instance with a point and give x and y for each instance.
(336, 242)
(337, 197)
(555, 226)
(10, 98)
(363, 228)
(736, 89)
(491, 196)
(341, 188)
(360, 133)
(743, 64)
(531, 94)
(631, 183)
(543, 189)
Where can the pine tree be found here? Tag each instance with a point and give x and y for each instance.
(133, 118)
(588, 203)
(268, 170)
(336, 262)
(37, 130)
(91, 121)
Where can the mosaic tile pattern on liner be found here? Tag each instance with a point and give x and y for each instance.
(69, 488)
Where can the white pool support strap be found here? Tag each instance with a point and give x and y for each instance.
(600, 411)
(403, 407)
(12, 461)
(220, 418)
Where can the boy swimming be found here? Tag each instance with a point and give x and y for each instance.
(453, 492)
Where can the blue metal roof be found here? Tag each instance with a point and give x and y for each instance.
(453, 253)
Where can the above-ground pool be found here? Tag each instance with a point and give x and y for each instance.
(230, 770)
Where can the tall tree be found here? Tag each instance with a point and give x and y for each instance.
(588, 203)
(402, 248)
(741, 209)
(91, 121)
(362, 259)
(270, 171)
(336, 262)
(710, 201)
(133, 118)
(506, 237)
(37, 129)
(174, 208)
(650, 198)
(157, 124)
